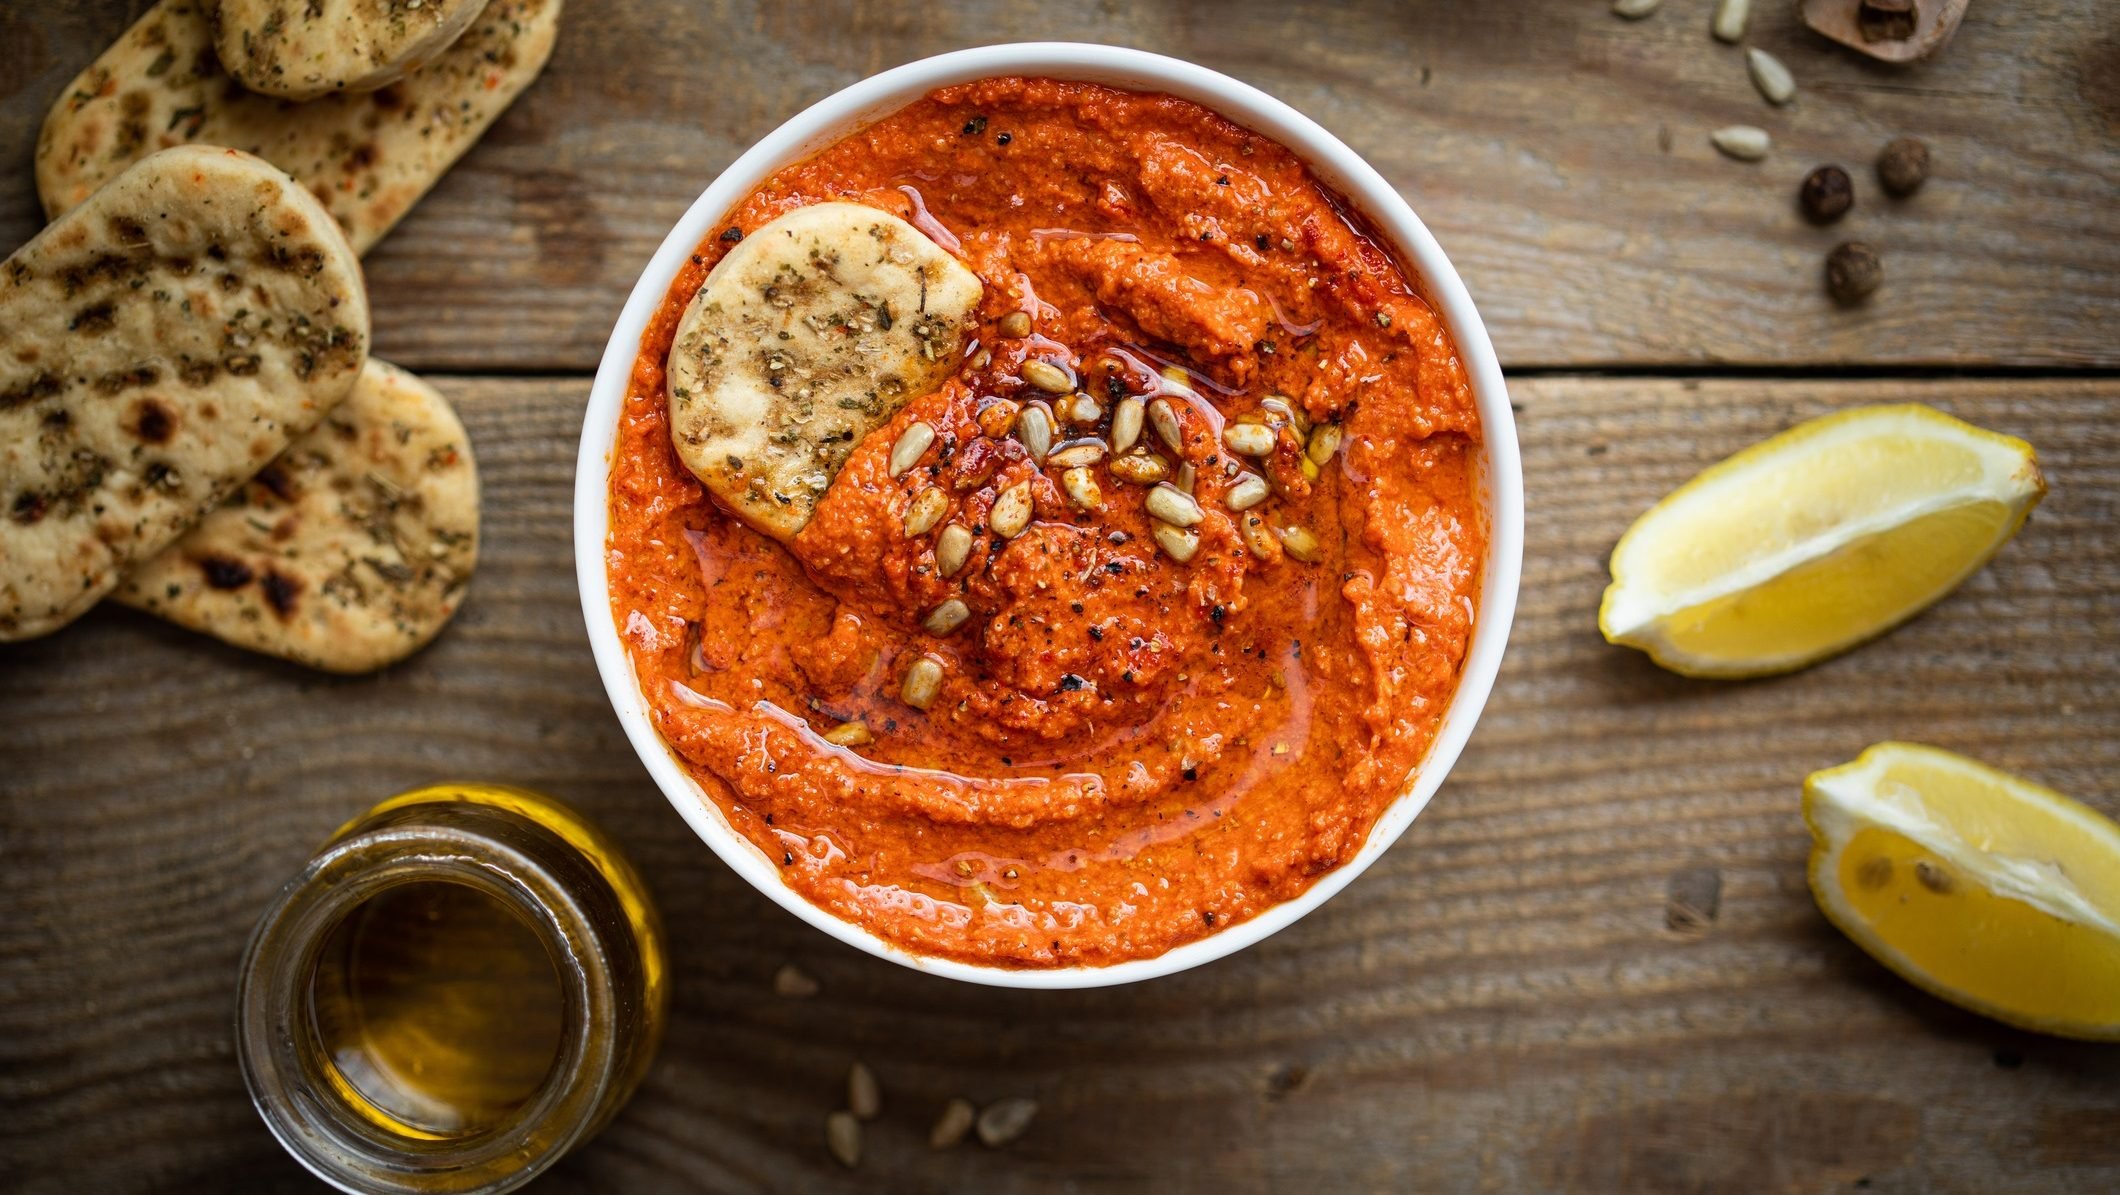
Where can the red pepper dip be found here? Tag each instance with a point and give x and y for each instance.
(1127, 751)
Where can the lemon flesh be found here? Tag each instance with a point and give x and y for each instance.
(1983, 888)
(1816, 540)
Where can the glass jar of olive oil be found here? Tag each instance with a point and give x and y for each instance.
(466, 982)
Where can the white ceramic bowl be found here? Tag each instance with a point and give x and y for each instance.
(873, 98)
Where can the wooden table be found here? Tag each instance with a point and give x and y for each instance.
(1504, 1003)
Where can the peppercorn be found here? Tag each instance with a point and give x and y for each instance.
(1853, 272)
(1903, 166)
(1826, 195)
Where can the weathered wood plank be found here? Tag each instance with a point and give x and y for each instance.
(1530, 135)
(1499, 1005)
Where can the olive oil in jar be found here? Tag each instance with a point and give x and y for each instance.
(465, 983)
(440, 1007)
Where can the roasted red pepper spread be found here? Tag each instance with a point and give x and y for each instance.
(1126, 752)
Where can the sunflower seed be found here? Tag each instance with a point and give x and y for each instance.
(1259, 538)
(1301, 544)
(1635, 10)
(1770, 76)
(1324, 441)
(955, 1121)
(996, 417)
(1176, 543)
(1165, 421)
(1173, 506)
(1004, 1120)
(952, 548)
(1080, 408)
(1012, 511)
(864, 1097)
(1140, 468)
(842, 1135)
(946, 617)
(1250, 439)
(1035, 429)
(1744, 142)
(1016, 325)
(793, 982)
(1082, 489)
(1048, 377)
(925, 511)
(912, 442)
(1185, 478)
(849, 734)
(1730, 17)
(922, 682)
(1287, 411)
(1126, 423)
(1250, 490)
(1076, 454)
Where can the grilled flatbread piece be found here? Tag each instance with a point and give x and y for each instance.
(158, 345)
(349, 551)
(301, 49)
(369, 156)
(810, 334)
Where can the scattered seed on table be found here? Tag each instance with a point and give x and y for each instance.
(1903, 166)
(1004, 1120)
(793, 982)
(1853, 272)
(1746, 143)
(1635, 10)
(842, 1135)
(951, 1127)
(864, 1097)
(1826, 195)
(1770, 76)
(1730, 18)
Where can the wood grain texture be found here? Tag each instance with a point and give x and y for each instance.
(1502, 1004)
(1559, 154)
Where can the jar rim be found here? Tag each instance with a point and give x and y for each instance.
(314, 1109)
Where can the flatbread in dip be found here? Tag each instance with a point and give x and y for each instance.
(369, 156)
(299, 51)
(350, 551)
(812, 332)
(158, 345)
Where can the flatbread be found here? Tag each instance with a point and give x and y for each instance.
(368, 156)
(301, 49)
(158, 344)
(349, 551)
(811, 333)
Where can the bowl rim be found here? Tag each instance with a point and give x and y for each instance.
(879, 95)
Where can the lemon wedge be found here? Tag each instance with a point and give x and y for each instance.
(1989, 891)
(1809, 543)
